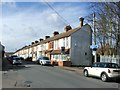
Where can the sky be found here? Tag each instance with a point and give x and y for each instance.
(25, 22)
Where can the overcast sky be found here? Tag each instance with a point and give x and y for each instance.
(24, 22)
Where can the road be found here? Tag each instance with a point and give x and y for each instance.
(37, 76)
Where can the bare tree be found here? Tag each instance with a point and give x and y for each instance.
(107, 24)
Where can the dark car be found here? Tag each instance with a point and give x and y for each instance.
(15, 60)
(11, 57)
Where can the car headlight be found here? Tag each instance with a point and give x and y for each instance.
(44, 62)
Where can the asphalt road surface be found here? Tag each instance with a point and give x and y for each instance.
(37, 76)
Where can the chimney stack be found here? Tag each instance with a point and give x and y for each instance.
(46, 37)
(55, 33)
(67, 28)
(81, 21)
(41, 39)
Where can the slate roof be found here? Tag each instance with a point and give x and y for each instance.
(58, 36)
(61, 35)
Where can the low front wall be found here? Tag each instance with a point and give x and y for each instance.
(64, 63)
(54, 62)
(61, 63)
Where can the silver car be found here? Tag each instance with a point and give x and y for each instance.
(43, 60)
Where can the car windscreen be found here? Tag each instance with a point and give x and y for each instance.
(45, 58)
(16, 58)
(13, 56)
(112, 65)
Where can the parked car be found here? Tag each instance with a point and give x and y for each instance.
(43, 60)
(103, 70)
(11, 57)
(15, 60)
(21, 58)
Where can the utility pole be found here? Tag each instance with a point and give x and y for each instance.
(94, 28)
(94, 50)
(118, 37)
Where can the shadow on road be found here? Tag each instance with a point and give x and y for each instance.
(115, 80)
(29, 63)
(15, 67)
(6, 66)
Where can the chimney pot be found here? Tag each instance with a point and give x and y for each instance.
(46, 37)
(41, 39)
(32, 43)
(36, 41)
(55, 33)
(67, 28)
(81, 21)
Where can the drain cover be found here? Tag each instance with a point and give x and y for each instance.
(27, 83)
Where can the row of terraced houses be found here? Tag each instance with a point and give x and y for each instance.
(70, 47)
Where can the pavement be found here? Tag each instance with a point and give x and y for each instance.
(10, 77)
(12, 80)
(78, 70)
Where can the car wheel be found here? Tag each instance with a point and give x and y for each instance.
(85, 73)
(38, 62)
(104, 77)
(41, 63)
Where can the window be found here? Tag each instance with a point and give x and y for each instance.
(101, 65)
(85, 53)
(67, 43)
(45, 58)
(112, 65)
(57, 44)
(64, 42)
(94, 65)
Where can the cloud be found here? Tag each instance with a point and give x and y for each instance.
(53, 17)
(24, 26)
(22, 29)
(11, 4)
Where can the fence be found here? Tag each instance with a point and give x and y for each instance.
(112, 59)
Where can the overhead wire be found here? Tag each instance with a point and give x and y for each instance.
(64, 20)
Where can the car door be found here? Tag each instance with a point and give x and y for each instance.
(98, 70)
(92, 70)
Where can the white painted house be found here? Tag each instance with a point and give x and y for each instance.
(73, 46)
